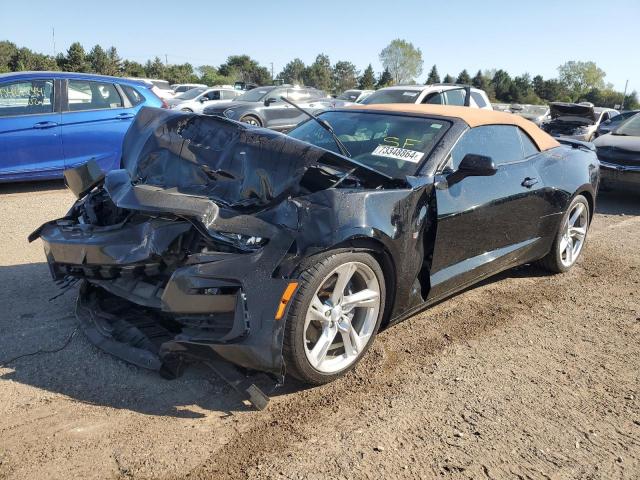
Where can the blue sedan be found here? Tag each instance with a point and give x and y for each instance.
(51, 121)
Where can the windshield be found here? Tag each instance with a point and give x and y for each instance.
(392, 144)
(533, 110)
(350, 95)
(190, 94)
(631, 127)
(161, 84)
(254, 95)
(392, 96)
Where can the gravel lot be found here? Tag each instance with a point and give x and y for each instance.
(525, 376)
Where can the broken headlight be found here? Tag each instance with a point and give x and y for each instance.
(245, 242)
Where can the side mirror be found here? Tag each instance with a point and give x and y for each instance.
(269, 101)
(203, 99)
(477, 165)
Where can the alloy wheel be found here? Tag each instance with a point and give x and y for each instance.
(342, 317)
(251, 121)
(573, 234)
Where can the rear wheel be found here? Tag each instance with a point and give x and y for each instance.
(570, 238)
(334, 317)
(251, 120)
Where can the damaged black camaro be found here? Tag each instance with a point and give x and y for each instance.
(279, 254)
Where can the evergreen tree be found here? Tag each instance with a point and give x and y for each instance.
(76, 59)
(449, 79)
(385, 79)
(368, 79)
(479, 81)
(319, 74)
(433, 77)
(464, 78)
(345, 76)
(98, 60)
(293, 72)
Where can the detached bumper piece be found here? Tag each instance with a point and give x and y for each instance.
(149, 339)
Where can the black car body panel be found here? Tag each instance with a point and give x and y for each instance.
(619, 157)
(209, 220)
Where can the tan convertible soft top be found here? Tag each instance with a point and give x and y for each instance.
(471, 116)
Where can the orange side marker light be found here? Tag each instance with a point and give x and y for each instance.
(286, 296)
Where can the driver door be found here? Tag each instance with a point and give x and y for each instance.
(486, 223)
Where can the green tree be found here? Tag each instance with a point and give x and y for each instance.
(24, 59)
(180, 74)
(319, 74)
(345, 76)
(403, 60)
(479, 81)
(132, 69)
(433, 76)
(154, 69)
(114, 62)
(502, 85)
(98, 60)
(76, 59)
(293, 72)
(209, 75)
(448, 79)
(7, 51)
(368, 79)
(243, 68)
(385, 79)
(581, 77)
(464, 78)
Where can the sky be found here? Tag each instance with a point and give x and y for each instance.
(534, 37)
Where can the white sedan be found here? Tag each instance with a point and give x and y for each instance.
(196, 99)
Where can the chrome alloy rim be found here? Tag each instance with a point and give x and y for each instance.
(342, 317)
(251, 121)
(573, 235)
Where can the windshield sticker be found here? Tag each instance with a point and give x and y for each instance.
(395, 142)
(409, 94)
(398, 153)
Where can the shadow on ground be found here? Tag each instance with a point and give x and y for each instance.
(28, 187)
(618, 203)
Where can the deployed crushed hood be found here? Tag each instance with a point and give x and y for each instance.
(230, 163)
(572, 112)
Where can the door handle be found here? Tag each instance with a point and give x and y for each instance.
(529, 182)
(124, 116)
(42, 125)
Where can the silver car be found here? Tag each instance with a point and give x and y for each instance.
(196, 99)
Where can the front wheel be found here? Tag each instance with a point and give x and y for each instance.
(570, 238)
(335, 316)
(251, 120)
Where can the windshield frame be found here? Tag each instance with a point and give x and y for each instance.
(419, 167)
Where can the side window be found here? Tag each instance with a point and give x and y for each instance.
(213, 95)
(455, 97)
(87, 95)
(228, 94)
(500, 142)
(277, 93)
(27, 97)
(434, 99)
(528, 147)
(479, 99)
(133, 95)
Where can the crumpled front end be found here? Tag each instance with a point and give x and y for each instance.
(155, 286)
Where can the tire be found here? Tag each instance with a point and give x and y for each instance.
(353, 327)
(558, 260)
(251, 120)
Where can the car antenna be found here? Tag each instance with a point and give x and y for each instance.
(324, 124)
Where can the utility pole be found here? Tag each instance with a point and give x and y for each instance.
(624, 95)
(166, 60)
(271, 72)
(53, 38)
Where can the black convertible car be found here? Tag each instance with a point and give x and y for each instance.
(217, 239)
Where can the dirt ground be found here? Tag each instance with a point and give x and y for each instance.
(525, 376)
